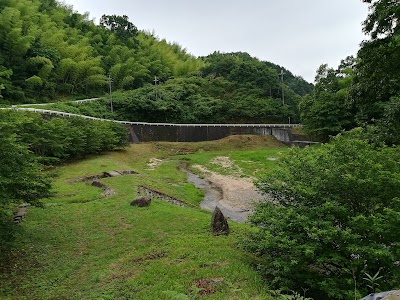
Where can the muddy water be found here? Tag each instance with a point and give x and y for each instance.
(213, 196)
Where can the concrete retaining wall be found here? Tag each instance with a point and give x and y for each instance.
(148, 132)
(197, 133)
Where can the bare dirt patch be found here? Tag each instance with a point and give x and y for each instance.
(237, 193)
(151, 256)
(226, 163)
(208, 286)
(154, 163)
(222, 161)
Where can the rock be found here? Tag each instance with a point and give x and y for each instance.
(392, 295)
(141, 202)
(112, 174)
(161, 196)
(98, 184)
(128, 172)
(20, 214)
(219, 224)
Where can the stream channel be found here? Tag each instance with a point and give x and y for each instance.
(213, 196)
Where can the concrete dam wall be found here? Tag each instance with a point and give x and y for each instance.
(204, 132)
(169, 132)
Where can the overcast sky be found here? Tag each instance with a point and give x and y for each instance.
(297, 34)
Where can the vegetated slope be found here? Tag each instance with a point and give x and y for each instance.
(230, 88)
(87, 246)
(48, 51)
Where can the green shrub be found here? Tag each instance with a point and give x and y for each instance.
(334, 215)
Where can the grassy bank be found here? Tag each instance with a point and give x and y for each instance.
(84, 245)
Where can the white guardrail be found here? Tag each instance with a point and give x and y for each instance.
(54, 112)
(44, 104)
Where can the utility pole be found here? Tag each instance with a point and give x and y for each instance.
(155, 80)
(155, 86)
(110, 81)
(283, 93)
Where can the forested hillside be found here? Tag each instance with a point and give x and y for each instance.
(49, 52)
(231, 88)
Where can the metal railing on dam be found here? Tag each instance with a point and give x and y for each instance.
(145, 132)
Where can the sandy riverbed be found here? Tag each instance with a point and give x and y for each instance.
(238, 193)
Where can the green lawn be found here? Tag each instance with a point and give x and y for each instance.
(247, 163)
(84, 245)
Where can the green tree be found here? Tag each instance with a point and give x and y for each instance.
(377, 75)
(383, 19)
(328, 111)
(5, 76)
(376, 80)
(332, 214)
(387, 129)
(120, 25)
(20, 181)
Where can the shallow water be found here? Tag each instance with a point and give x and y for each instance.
(213, 196)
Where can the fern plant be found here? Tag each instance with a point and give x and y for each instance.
(372, 281)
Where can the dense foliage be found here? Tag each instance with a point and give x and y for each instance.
(47, 50)
(362, 90)
(332, 213)
(27, 141)
(58, 138)
(232, 87)
(328, 111)
(20, 181)
(332, 217)
(189, 100)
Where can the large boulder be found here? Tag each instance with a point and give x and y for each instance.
(141, 202)
(219, 224)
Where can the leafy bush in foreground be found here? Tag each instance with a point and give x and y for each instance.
(335, 216)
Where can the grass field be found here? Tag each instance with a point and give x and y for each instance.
(84, 245)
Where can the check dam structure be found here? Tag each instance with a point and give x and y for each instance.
(171, 132)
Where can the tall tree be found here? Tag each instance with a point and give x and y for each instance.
(383, 19)
(377, 75)
(120, 25)
(328, 111)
